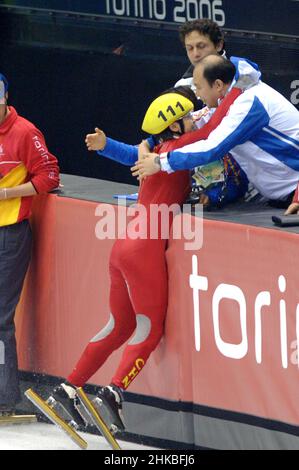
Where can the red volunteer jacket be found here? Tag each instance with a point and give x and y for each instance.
(24, 157)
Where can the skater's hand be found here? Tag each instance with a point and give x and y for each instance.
(149, 165)
(96, 141)
(292, 209)
(143, 149)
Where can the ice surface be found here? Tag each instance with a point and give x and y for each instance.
(42, 436)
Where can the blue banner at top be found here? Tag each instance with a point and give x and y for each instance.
(269, 16)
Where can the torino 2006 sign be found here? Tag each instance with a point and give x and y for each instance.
(177, 11)
(271, 16)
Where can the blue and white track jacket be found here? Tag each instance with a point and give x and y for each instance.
(261, 131)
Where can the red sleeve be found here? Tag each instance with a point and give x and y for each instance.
(41, 164)
(204, 132)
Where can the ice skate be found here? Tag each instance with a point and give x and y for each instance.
(97, 419)
(58, 413)
(111, 398)
(66, 397)
(8, 416)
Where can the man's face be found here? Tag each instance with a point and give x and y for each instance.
(207, 93)
(199, 46)
(188, 125)
(3, 99)
(2, 112)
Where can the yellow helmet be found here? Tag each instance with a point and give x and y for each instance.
(164, 111)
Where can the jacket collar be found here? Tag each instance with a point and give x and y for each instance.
(8, 121)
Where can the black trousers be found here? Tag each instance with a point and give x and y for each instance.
(15, 252)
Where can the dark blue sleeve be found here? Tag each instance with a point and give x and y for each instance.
(222, 194)
(120, 152)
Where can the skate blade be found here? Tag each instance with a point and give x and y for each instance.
(84, 415)
(17, 419)
(53, 416)
(104, 413)
(97, 420)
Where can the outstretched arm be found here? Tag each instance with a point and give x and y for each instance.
(246, 117)
(106, 147)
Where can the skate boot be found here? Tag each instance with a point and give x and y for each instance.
(65, 402)
(111, 399)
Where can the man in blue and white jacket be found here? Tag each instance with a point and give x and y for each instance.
(261, 131)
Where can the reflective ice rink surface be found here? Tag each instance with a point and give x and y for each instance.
(41, 436)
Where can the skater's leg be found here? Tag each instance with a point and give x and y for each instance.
(119, 328)
(144, 268)
(147, 279)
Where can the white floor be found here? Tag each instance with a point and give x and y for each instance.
(41, 436)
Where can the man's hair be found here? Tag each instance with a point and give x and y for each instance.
(218, 69)
(206, 27)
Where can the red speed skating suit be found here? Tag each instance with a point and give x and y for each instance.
(138, 271)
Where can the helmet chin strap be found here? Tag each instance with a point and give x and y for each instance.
(182, 127)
